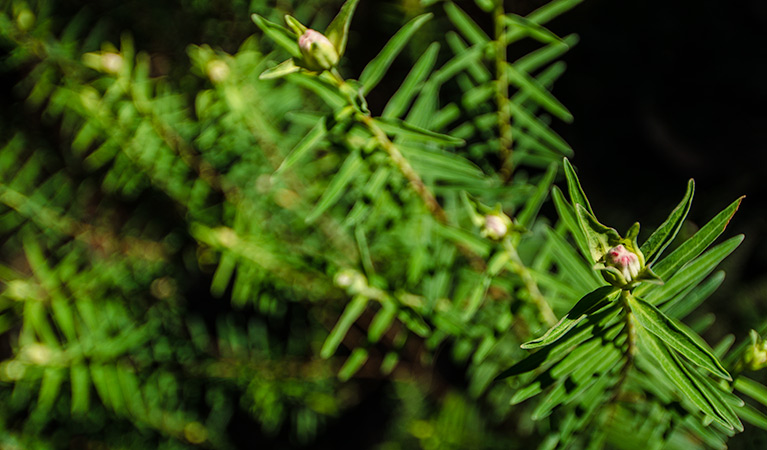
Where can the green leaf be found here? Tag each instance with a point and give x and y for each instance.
(568, 217)
(306, 145)
(415, 78)
(685, 303)
(678, 374)
(599, 237)
(539, 129)
(338, 30)
(539, 58)
(337, 186)
(404, 129)
(538, 92)
(755, 390)
(280, 70)
(526, 217)
(81, 389)
(295, 25)
(752, 416)
(533, 29)
(353, 364)
(577, 196)
(574, 270)
(442, 165)
(652, 319)
(590, 303)
(720, 400)
(50, 387)
(374, 72)
(351, 313)
(667, 231)
(279, 34)
(382, 321)
(697, 243)
(694, 272)
(465, 24)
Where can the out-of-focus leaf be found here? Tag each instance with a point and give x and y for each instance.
(348, 171)
(306, 145)
(533, 29)
(376, 69)
(526, 217)
(399, 102)
(280, 70)
(753, 389)
(279, 34)
(353, 363)
(351, 313)
(568, 217)
(401, 128)
(538, 92)
(466, 24)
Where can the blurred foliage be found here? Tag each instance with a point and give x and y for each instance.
(194, 256)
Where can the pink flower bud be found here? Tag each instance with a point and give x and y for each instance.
(496, 226)
(317, 50)
(624, 260)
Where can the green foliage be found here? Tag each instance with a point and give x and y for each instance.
(231, 252)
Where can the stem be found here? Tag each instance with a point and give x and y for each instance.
(631, 344)
(394, 154)
(518, 267)
(505, 138)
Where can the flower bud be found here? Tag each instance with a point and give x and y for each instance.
(317, 50)
(755, 357)
(496, 226)
(624, 260)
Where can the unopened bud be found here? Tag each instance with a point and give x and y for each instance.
(624, 260)
(755, 357)
(218, 70)
(496, 226)
(317, 50)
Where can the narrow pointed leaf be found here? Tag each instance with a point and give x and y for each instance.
(466, 24)
(589, 303)
(533, 29)
(577, 196)
(594, 325)
(652, 319)
(353, 363)
(404, 129)
(694, 272)
(338, 30)
(720, 400)
(667, 231)
(539, 58)
(539, 129)
(530, 211)
(697, 243)
(677, 373)
(306, 145)
(295, 25)
(280, 70)
(351, 313)
(349, 170)
(685, 303)
(382, 321)
(538, 92)
(279, 34)
(409, 88)
(376, 69)
(753, 389)
(599, 237)
(567, 215)
(752, 416)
